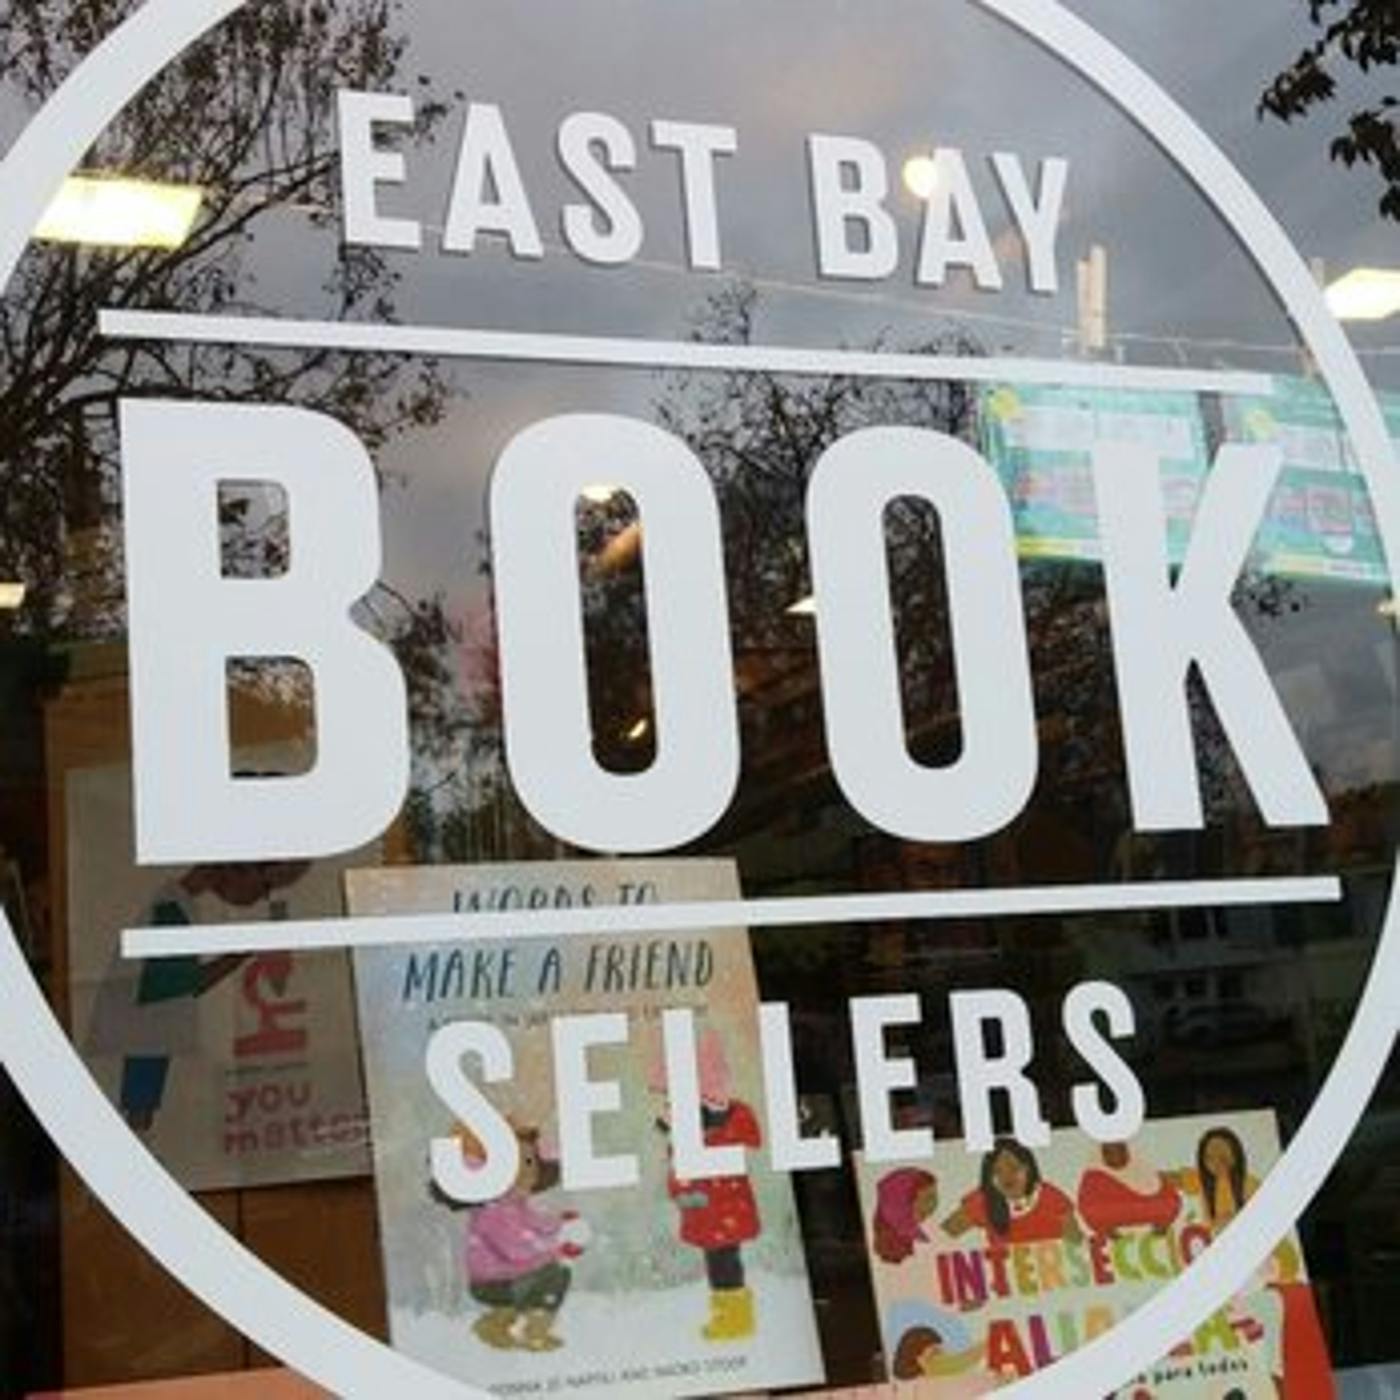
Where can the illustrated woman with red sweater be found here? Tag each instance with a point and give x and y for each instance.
(1014, 1205)
(1123, 1192)
(719, 1215)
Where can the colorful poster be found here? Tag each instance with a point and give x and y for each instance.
(1320, 523)
(1041, 440)
(1300, 418)
(988, 1267)
(664, 1288)
(235, 1070)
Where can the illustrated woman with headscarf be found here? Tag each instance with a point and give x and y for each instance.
(904, 1199)
(1013, 1204)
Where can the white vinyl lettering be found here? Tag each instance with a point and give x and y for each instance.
(982, 1072)
(581, 1099)
(364, 167)
(488, 195)
(186, 621)
(840, 208)
(591, 145)
(878, 1075)
(850, 490)
(955, 234)
(1160, 630)
(534, 493)
(788, 1150)
(1037, 216)
(698, 144)
(692, 1158)
(1082, 1005)
(494, 1175)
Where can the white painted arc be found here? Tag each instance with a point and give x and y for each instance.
(1150, 1332)
(45, 1068)
(292, 1326)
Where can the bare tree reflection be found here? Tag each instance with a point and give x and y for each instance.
(247, 117)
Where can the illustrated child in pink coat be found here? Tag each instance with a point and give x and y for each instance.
(518, 1254)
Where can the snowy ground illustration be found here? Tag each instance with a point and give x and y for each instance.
(644, 1345)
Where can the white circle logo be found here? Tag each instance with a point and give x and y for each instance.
(155, 1209)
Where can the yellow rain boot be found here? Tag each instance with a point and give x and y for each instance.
(539, 1332)
(742, 1318)
(731, 1315)
(495, 1328)
(714, 1329)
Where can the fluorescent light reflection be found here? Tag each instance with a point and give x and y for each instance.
(1365, 294)
(107, 211)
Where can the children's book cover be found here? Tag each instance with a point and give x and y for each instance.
(664, 1288)
(234, 1070)
(989, 1266)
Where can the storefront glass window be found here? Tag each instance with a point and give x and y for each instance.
(799, 639)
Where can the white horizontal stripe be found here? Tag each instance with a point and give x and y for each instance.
(386, 930)
(445, 342)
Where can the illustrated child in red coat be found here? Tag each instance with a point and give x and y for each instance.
(719, 1215)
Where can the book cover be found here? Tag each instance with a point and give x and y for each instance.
(664, 1288)
(989, 1266)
